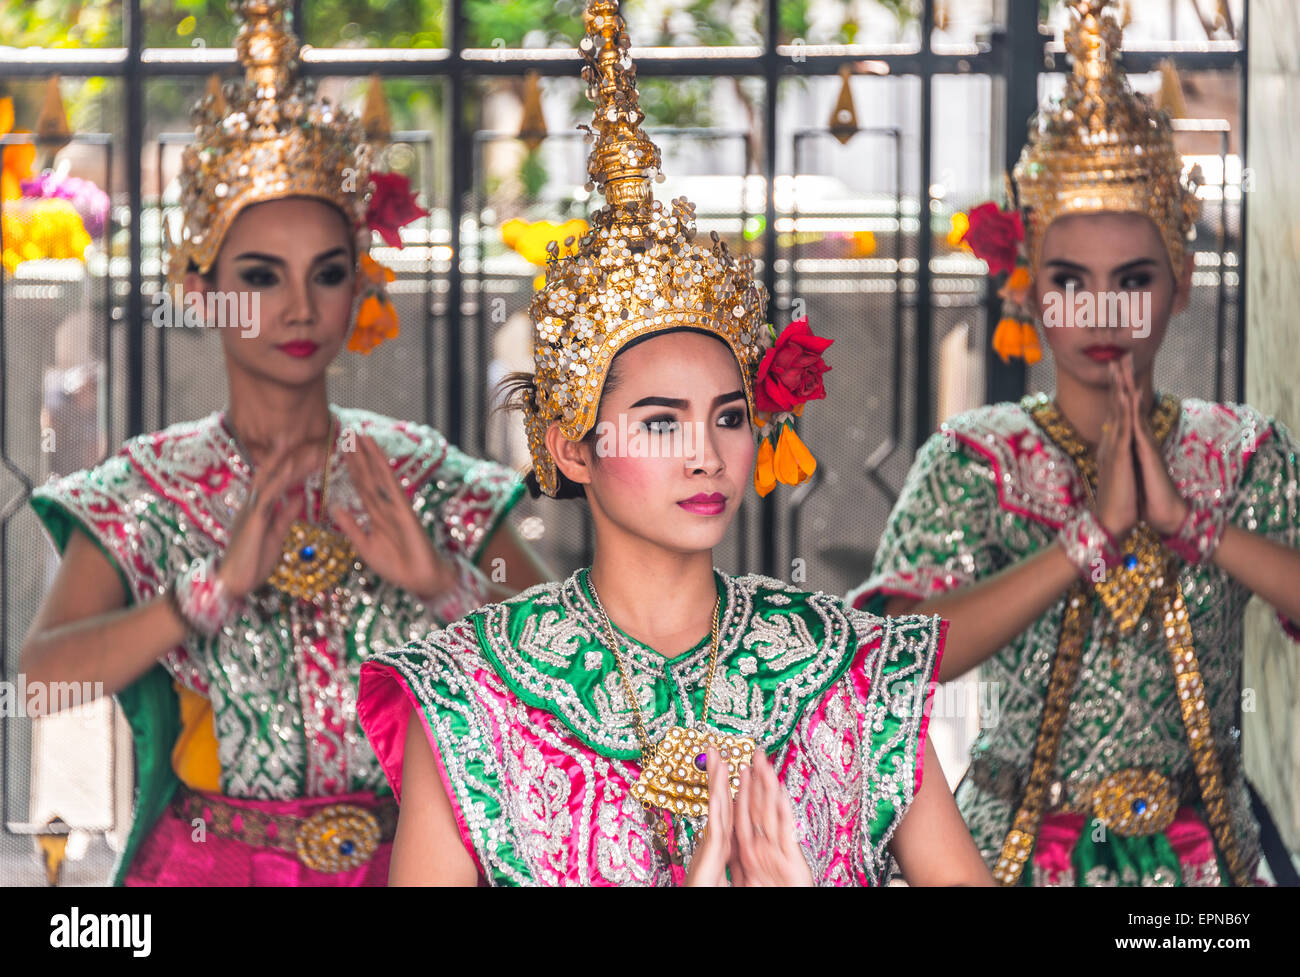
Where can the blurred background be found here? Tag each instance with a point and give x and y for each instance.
(833, 140)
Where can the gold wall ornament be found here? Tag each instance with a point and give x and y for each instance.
(1102, 147)
(532, 130)
(637, 271)
(843, 122)
(262, 138)
(52, 129)
(212, 91)
(376, 120)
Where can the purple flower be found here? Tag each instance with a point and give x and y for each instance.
(90, 202)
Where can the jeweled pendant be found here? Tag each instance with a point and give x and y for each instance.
(676, 781)
(313, 560)
(1126, 589)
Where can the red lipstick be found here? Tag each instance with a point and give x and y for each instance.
(300, 348)
(1104, 354)
(705, 503)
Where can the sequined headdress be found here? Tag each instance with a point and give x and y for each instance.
(262, 139)
(267, 137)
(1103, 147)
(638, 269)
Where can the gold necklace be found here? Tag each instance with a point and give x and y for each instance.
(313, 558)
(674, 774)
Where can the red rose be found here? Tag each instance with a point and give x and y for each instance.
(995, 235)
(791, 371)
(391, 206)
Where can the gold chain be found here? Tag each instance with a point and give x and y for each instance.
(658, 823)
(630, 692)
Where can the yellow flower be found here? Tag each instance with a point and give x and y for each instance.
(764, 477)
(793, 462)
(960, 225)
(530, 240)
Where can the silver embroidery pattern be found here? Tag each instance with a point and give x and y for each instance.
(565, 810)
(566, 618)
(985, 506)
(173, 495)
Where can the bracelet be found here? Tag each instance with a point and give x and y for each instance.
(201, 598)
(469, 592)
(1198, 535)
(1088, 544)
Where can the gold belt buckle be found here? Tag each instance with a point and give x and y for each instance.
(1135, 802)
(338, 838)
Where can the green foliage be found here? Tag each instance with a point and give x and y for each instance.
(61, 23)
(490, 23)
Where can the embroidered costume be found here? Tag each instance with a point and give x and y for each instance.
(1114, 756)
(573, 754)
(523, 704)
(246, 734)
(993, 487)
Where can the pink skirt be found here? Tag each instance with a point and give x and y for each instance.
(177, 852)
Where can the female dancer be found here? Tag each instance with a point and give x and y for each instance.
(1095, 551)
(241, 690)
(581, 732)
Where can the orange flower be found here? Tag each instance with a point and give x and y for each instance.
(764, 476)
(376, 321)
(1008, 340)
(793, 462)
(1019, 339)
(1029, 343)
(17, 160)
(374, 273)
(1017, 286)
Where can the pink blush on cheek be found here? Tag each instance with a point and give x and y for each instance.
(635, 471)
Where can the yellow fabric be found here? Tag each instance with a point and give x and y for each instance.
(194, 757)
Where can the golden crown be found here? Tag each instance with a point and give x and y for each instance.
(264, 138)
(1103, 147)
(637, 271)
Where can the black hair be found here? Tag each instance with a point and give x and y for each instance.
(519, 389)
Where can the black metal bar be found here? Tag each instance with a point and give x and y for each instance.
(1221, 293)
(1243, 68)
(922, 419)
(161, 337)
(134, 126)
(427, 320)
(460, 179)
(772, 66)
(1021, 48)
